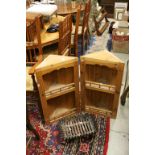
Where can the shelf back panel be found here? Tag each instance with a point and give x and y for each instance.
(99, 100)
(100, 74)
(58, 78)
(61, 105)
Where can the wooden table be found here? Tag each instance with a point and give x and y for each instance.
(65, 9)
(32, 16)
(50, 38)
(47, 38)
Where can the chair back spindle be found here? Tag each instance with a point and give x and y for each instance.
(76, 31)
(33, 41)
(65, 28)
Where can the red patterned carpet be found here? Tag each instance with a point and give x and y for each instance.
(51, 143)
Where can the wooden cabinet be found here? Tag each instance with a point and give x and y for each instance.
(101, 74)
(57, 78)
(97, 80)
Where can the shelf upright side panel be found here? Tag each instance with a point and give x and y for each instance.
(42, 96)
(118, 88)
(83, 93)
(76, 80)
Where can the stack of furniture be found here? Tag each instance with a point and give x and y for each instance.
(109, 6)
(63, 91)
(99, 26)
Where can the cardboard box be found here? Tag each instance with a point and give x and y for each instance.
(120, 40)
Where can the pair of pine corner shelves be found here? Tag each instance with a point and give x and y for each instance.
(67, 87)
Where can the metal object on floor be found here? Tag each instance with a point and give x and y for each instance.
(124, 95)
(81, 125)
(126, 86)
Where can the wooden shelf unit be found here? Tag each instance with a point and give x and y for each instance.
(66, 88)
(101, 77)
(58, 85)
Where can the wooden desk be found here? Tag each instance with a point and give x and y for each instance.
(64, 9)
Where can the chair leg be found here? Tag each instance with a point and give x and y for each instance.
(30, 127)
(36, 94)
(83, 44)
(86, 41)
(123, 97)
(88, 36)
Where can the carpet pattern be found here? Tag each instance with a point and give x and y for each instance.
(51, 142)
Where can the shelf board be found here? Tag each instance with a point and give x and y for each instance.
(100, 87)
(56, 115)
(98, 110)
(59, 89)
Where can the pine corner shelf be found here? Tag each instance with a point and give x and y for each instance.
(67, 87)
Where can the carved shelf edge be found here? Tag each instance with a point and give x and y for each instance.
(64, 89)
(100, 87)
(65, 114)
(94, 110)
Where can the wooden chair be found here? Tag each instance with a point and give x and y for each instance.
(64, 43)
(74, 37)
(83, 30)
(33, 58)
(33, 50)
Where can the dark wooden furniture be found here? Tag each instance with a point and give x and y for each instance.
(124, 95)
(109, 6)
(126, 85)
(98, 22)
